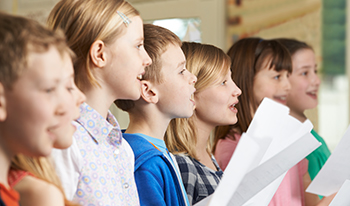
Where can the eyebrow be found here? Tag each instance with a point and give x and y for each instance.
(180, 64)
(307, 67)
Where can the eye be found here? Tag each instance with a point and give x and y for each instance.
(139, 46)
(277, 77)
(304, 73)
(70, 89)
(182, 71)
(224, 82)
(50, 90)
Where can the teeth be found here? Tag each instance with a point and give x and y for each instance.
(139, 77)
(283, 98)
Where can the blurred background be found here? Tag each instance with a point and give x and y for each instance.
(320, 23)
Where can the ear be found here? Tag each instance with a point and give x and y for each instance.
(148, 92)
(3, 112)
(98, 54)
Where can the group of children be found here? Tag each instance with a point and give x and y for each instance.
(60, 145)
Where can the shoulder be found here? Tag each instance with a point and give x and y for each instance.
(186, 163)
(34, 191)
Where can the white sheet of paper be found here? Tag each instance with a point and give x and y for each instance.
(241, 160)
(342, 198)
(282, 142)
(335, 171)
(254, 189)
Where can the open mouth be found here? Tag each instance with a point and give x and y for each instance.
(313, 94)
(282, 99)
(233, 108)
(139, 77)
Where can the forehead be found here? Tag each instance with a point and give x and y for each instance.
(134, 31)
(43, 66)
(173, 57)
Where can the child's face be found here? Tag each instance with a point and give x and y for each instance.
(272, 84)
(35, 105)
(304, 81)
(127, 63)
(215, 105)
(74, 98)
(177, 88)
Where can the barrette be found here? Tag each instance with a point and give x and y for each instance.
(126, 19)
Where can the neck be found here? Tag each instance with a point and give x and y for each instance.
(203, 135)
(99, 99)
(299, 115)
(148, 123)
(5, 162)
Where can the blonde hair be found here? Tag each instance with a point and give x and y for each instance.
(19, 37)
(84, 22)
(210, 64)
(41, 168)
(157, 40)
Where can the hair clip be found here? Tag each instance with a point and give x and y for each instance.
(126, 19)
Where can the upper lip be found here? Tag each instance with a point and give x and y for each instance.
(140, 75)
(313, 91)
(234, 104)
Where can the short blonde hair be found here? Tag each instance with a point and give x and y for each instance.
(84, 22)
(157, 40)
(19, 37)
(210, 65)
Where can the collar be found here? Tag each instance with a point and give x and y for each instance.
(99, 127)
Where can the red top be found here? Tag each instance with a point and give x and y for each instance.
(9, 196)
(15, 176)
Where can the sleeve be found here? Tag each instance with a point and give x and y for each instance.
(129, 153)
(68, 164)
(150, 186)
(188, 174)
(223, 152)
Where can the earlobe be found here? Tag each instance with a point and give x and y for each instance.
(3, 112)
(148, 92)
(98, 54)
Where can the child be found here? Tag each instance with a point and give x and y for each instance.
(32, 177)
(261, 69)
(303, 95)
(107, 37)
(166, 93)
(33, 96)
(216, 96)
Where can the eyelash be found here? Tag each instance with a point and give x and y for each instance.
(139, 46)
(277, 77)
(50, 90)
(224, 82)
(70, 89)
(182, 71)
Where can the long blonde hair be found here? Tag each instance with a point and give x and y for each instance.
(210, 64)
(84, 22)
(41, 168)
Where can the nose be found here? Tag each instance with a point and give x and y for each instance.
(80, 96)
(236, 91)
(286, 85)
(146, 59)
(193, 78)
(315, 80)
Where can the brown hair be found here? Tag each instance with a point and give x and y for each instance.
(156, 42)
(84, 22)
(248, 57)
(293, 45)
(19, 37)
(210, 65)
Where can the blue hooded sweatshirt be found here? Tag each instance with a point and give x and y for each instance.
(155, 176)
